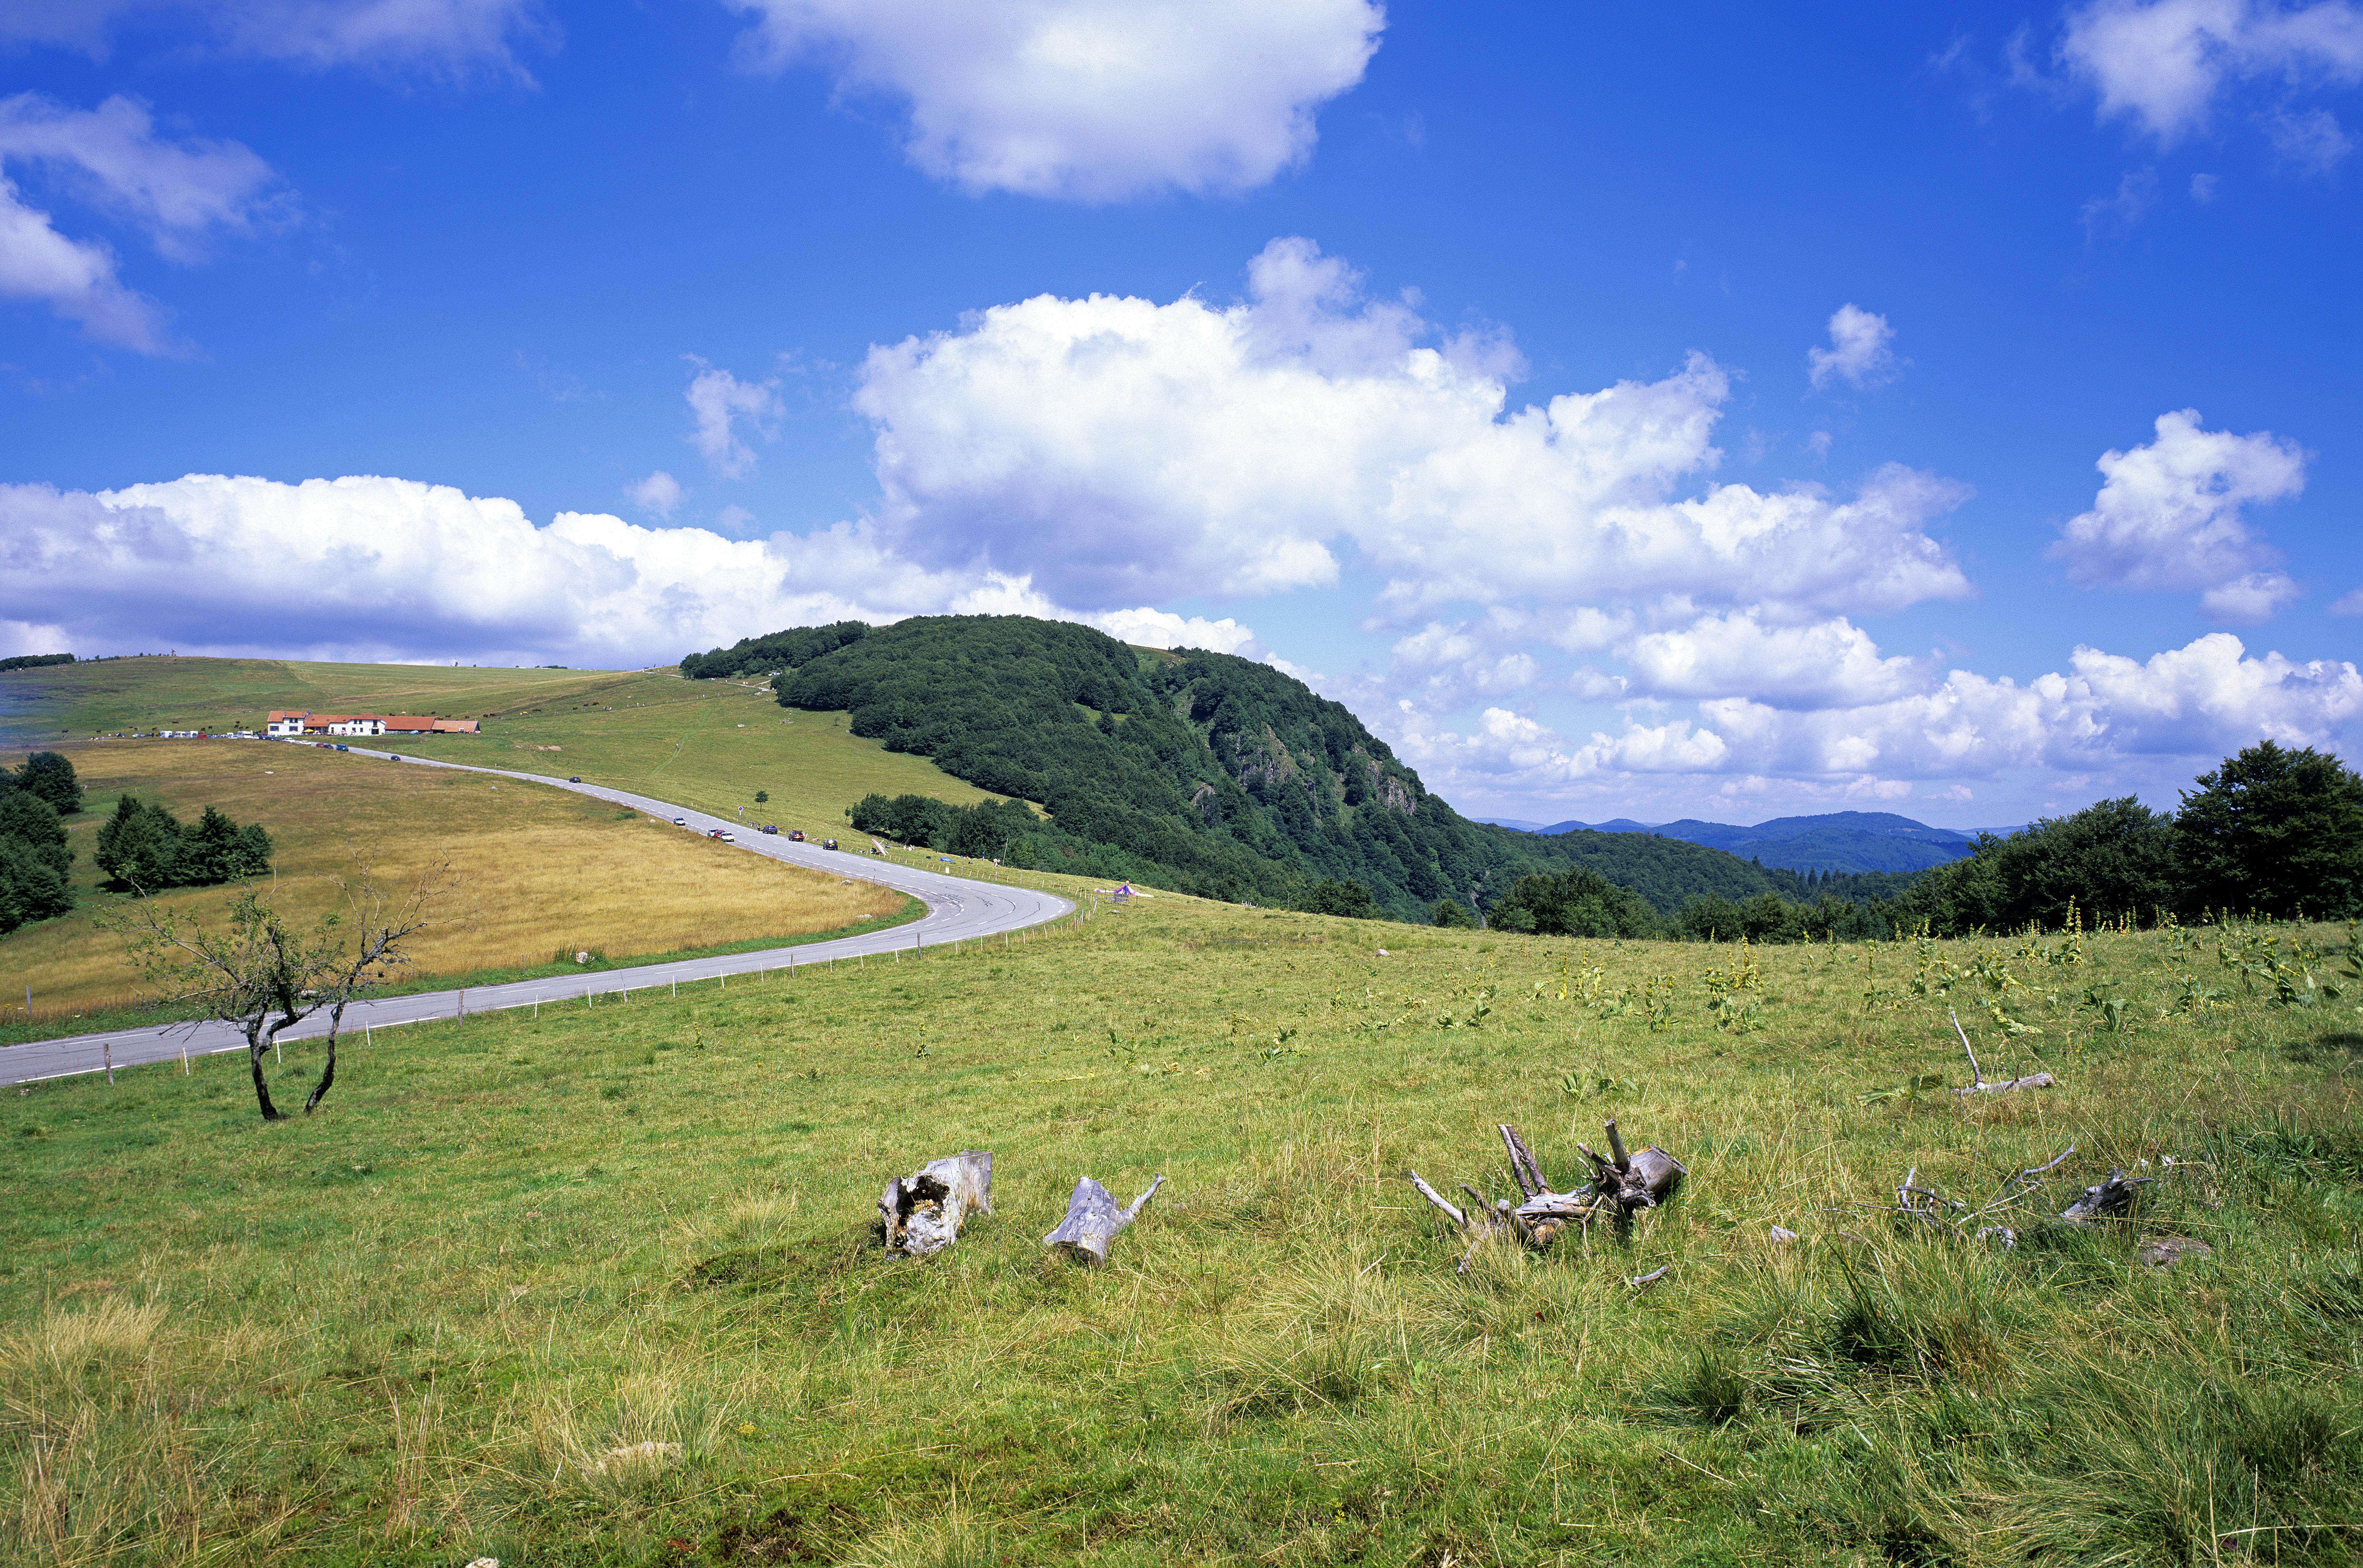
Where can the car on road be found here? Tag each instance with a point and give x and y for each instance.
(768, 828)
(574, 778)
(721, 833)
(681, 821)
(344, 748)
(798, 837)
(829, 843)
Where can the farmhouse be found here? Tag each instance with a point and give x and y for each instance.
(286, 724)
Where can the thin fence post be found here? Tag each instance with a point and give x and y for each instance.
(106, 1049)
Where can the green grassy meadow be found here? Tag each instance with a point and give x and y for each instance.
(710, 744)
(472, 1307)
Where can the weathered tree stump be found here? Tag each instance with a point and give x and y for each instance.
(923, 1213)
(1622, 1186)
(2105, 1199)
(1092, 1220)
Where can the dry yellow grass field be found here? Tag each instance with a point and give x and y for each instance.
(541, 870)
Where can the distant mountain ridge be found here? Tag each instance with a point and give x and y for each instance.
(1832, 841)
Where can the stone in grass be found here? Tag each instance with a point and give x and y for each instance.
(636, 1456)
(2168, 1250)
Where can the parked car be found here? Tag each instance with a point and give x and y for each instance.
(681, 821)
(796, 837)
(829, 843)
(721, 833)
(574, 778)
(344, 748)
(768, 828)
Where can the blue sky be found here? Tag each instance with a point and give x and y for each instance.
(1648, 411)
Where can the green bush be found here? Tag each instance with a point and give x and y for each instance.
(146, 847)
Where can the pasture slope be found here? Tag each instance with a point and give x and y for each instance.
(545, 872)
(596, 1287)
(709, 744)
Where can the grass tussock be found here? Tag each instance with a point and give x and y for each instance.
(596, 1287)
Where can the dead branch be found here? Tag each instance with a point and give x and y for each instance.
(1623, 1183)
(1977, 1084)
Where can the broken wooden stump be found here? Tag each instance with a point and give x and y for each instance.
(1622, 1186)
(923, 1213)
(1092, 1220)
(2104, 1199)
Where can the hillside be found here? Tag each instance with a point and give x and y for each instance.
(542, 871)
(1203, 772)
(711, 744)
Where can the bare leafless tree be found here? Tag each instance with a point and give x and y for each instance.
(264, 976)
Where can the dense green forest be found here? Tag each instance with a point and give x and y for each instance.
(1203, 772)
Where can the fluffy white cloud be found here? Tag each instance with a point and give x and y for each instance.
(1119, 450)
(2204, 699)
(1861, 351)
(719, 403)
(2168, 518)
(1087, 99)
(2164, 63)
(184, 193)
(375, 568)
(448, 37)
(1148, 627)
(659, 493)
(1825, 664)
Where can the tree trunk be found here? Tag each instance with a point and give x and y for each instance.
(256, 1044)
(923, 1213)
(1092, 1220)
(328, 1072)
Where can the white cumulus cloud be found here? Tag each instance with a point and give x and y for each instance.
(182, 193)
(2165, 64)
(1087, 99)
(1827, 663)
(375, 568)
(1861, 351)
(2170, 517)
(2201, 700)
(725, 412)
(1119, 450)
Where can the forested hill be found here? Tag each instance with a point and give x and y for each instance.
(1199, 771)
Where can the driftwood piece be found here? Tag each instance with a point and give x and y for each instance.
(923, 1213)
(1979, 1083)
(2104, 1199)
(1623, 1183)
(1092, 1220)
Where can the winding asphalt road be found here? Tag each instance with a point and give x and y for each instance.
(959, 909)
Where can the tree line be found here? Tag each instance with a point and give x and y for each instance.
(2271, 831)
(145, 847)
